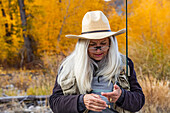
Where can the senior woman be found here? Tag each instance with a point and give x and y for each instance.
(92, 78)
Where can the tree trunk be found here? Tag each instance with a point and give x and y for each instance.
(8, 33)
(64, 19)
(11, 17)
(27, 40)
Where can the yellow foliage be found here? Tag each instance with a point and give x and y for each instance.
(149, 37)
(150, 21)
(53, 20)
(49, 21)
(117, 22)
(11, 39)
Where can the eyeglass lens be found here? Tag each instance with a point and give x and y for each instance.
(102, 48)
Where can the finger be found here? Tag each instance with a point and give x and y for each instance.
(93, 100)
(99, 105)
(116, 87)
(117, 90)
(109, 94)
(90, 100)
(96, 96)
(96, 108)
(95, 105)
(99, 102)
(113, 98)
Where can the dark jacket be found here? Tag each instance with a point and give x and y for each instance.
(133, 100)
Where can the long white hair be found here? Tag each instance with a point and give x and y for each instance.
(80, 65)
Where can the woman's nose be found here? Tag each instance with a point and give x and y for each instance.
(98, 50)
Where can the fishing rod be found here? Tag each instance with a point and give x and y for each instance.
(126, 38)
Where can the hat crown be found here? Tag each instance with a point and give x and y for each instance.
(95, 21)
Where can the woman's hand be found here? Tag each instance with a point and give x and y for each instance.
(94, 102)
(113, 96)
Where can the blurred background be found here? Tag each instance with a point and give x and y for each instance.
(33, 44)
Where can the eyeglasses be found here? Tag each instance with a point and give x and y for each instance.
(94, 49)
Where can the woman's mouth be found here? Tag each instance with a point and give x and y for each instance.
(98, 55)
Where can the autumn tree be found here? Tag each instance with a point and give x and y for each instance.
(149, 36)
(54, 19)
(10, 35)
(47, 21)
(27, 40)
(149, 40)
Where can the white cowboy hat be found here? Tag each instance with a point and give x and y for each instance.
(95, 25)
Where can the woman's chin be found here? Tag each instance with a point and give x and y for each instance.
(98, 58)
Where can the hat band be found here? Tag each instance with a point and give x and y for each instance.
(96, 31)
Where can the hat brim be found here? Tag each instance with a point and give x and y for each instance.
(97, 35)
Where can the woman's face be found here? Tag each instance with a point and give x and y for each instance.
(98, 48)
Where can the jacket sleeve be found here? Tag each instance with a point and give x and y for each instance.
(134, 99)
(61, 103)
